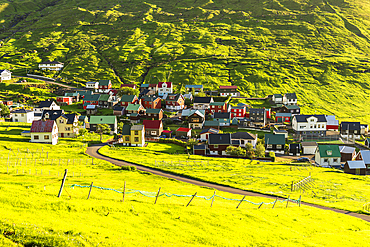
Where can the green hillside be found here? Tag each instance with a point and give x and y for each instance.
(317, 48)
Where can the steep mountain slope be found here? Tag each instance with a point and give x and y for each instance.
(317, 48)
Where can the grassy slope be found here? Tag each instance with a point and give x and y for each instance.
(332, 187)
(34, 216)
(317, 48)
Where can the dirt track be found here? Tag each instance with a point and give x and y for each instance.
(94, 152)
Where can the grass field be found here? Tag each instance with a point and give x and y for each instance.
(332, 188)
(318, 49)
(33, 215)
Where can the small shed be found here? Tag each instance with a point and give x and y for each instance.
(183, 132)
(347, 153)
(295, 149)
(355, 167)
(309, 147)
(167, 133)
(200, 149)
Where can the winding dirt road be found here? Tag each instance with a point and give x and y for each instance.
(93, 151)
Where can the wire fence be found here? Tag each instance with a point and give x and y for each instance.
(156, 195)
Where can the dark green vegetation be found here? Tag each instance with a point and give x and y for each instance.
(317, 48)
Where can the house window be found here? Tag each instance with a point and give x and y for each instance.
(335, 160)
(153, 132)
(278, 146)
(269, 146)
(312, 120)
(127, 138)
(136, 133)
(195, 120)
(68, 128)
(325, 160)
(36, 137)
(302, 127)
(136, 139)
(61, 121)
(22, 115)
(355, 131)
(46, 137)
(215, 146)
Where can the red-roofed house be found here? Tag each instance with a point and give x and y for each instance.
(128, 85)
(165, 88)
(153, 128)
(228, 90)
(183, 132)
(44, 131)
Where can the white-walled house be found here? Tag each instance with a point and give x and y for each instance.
(245, 138)
(5, 75)
(44, 131)
(309, 124)
(327, 155)
(45, 105)
(94, 85)
(23, 116)
(290, 99)
(165, 88)
(51, 65)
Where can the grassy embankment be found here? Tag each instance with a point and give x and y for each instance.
(332, 188)
(318, 49)
(33, 215)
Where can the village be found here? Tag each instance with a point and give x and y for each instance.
(203, 119)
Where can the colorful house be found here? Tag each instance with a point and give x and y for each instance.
(183, 132)
(328, 156)
(175, 102)
(165, 88)
(228, 91)
(154, 114)
(196, 120)
(64, 100)
(44, 132)
(219, 107)
(204, 134)
(153, 128)
(151, 102)
(133, 135)
(111, 121)
(129, 99)
(283, 117)
(104, 86)
(274, 143)
(91, 100)
(135, 109)
(23, 116)
(196, 88)
(238, 111)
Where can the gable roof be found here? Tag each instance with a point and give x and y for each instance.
(182, 129)
(350, 126)
(118, 108)
(150, 98)
(210, 130)
(278, 95)
(203, 100)
(153, 111)
(278, 114)
(103, 119)
(53, 114)
(223, 139)
(169, 84)
(217, 103)
(22, 111)
(126, 130)
(175, 97)
(243, 135)
(137, 127)
(222, 115)
(45, 103)
(82, 118)
(133, 107)
(356, 164)
(346, 149)
(91, 82)
(331, 120)
(200, 147)
(104, 97)
(365, 154)
(274, 139)
(228, 87)
(291, 96)
(329, 151)
(42, 126)
(128, 98)
(211, 123)
(70, 118)
(303, 118)
(104, 82)
(255, 110)
(92, 97)
(152, 124)
(197, 112)
(292, 107)
(194, 86)
(188, 112)
(91, 107)
(309, 144)
(51, 62)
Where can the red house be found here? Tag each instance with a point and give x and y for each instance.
(218, 107)
(64, 100)
(153, 128)
(151, 102)
(283, 117)
(129, 99)
(105, 85)
(238, 112)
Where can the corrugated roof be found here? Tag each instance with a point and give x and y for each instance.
(153, 111)
(104, 82)
(356, 164)
(365, 154)
(104, 97)
(128, 98)
(346, 149)
(102, 119)
(41, 126)
(133, 107)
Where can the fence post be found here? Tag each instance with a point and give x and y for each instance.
(192, 198)
(156, 198)
(300, 197)
(292, 187)
(124, 191)
(260, 205)
(91, 186)
(63, 181)
(213, 199)
(275, 202)
(287, 201)
(240, 202)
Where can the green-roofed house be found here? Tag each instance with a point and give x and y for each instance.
(135, 108)
(75, 96)
(110, 120)
(106, 101)
(154, 114)
(129, 99)
(211, 124)
(104, 86)
(293, 109)
(275, 143)
(277, 98)
(328, 156)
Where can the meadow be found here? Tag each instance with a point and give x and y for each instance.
(331, 188)
(33, 215)
(318, 49)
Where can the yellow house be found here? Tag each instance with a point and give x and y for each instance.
(67, 125)
(133, 135)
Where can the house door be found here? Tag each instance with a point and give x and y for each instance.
(357, 171)
(62, 135)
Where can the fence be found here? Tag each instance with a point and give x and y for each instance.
(158, 194)
(303, 185)
(366, 207)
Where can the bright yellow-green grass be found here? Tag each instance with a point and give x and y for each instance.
(331, 187)
(32, 215)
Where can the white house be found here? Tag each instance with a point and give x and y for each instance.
(51, 65)
(23, 116)
(309, 124)
(94, 85)
(5, 75)
(45, 105)
(290, 99)
(309, 147)
(204, 134)
(277, 98)
(202, 103)
(327, 155)
(44, 131)
(165, 88)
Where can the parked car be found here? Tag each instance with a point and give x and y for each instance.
(303, 159)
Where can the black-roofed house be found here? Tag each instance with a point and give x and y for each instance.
(350, 130)
(274, 143)
(67, 123)
(202, 103)
(257, 117)
(224, 118)
(290, 99)
(295, 149)
(314, 125)
(204, 134)
(23, 116)
(118, 110)
(200, 149)
(245, 138)
(45, 105)
(218, 143)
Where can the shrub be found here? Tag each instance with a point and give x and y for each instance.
(272, 156)
(128, 168)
